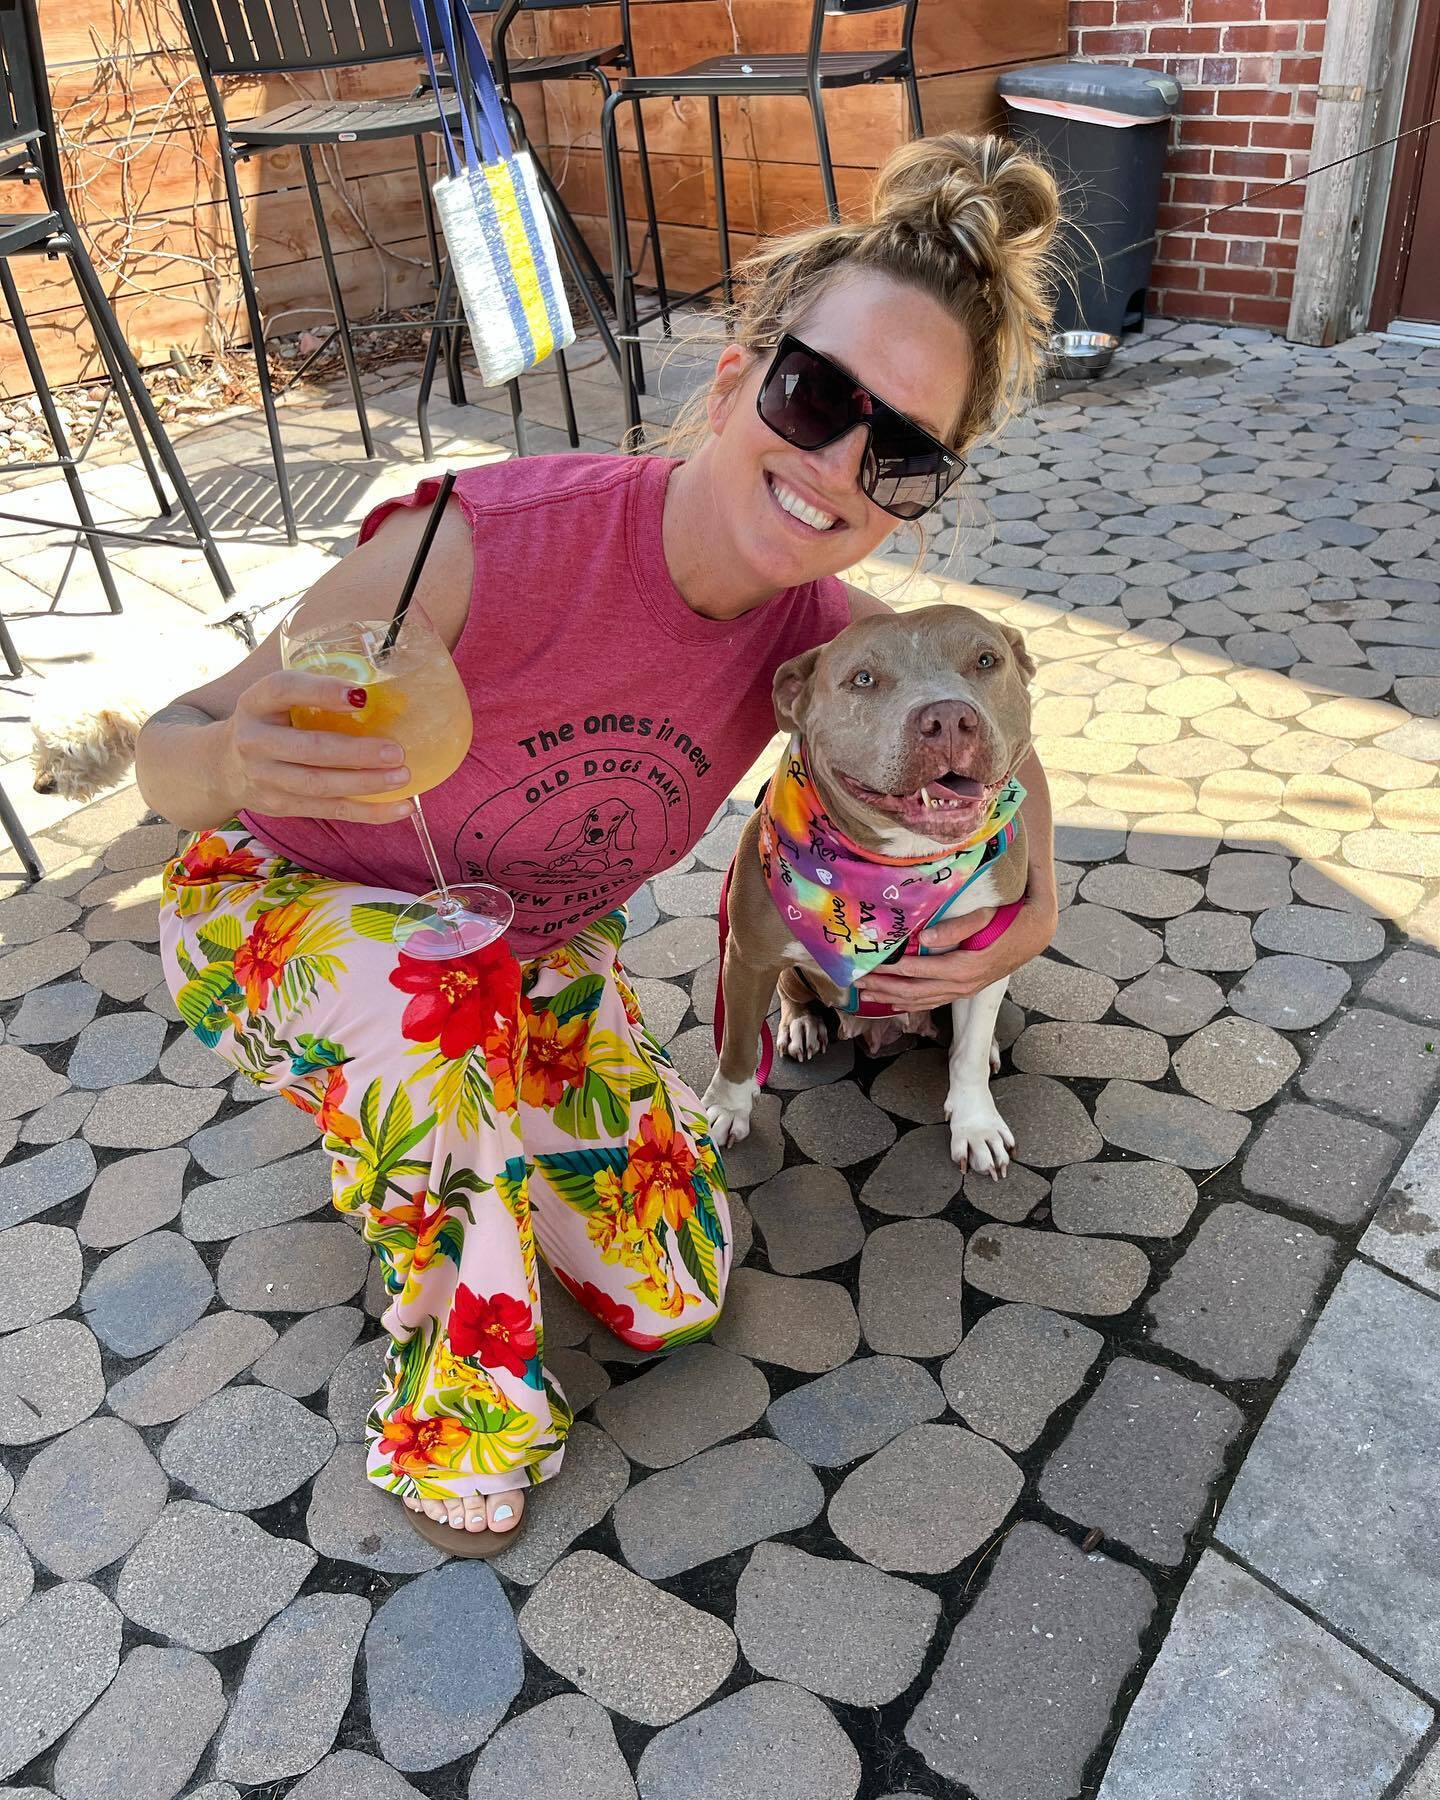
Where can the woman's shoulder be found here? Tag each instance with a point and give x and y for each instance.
(520, 485)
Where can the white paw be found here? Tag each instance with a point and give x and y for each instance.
(980, 1140)
(728, 1106)
(802, 1037)
(994, 1057)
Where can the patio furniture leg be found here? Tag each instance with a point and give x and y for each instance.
(917, 117)
(337, 300)
(443, 302)
(121, 390)
(257, 337)
(722, 211)
(620, 264)
(651, 219)
(78, 497)
(18, 836)
(454, 372)
(517, 413)
(567, 400)
(89, 282)
(8, 652)
(822, 145)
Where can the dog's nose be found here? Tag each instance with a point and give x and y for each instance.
(947, 718)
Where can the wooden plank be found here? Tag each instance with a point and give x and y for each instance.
(762, 197)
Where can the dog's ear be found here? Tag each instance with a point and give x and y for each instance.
(625, 830)
(569, 833)
(1023, 659)
(793, 681)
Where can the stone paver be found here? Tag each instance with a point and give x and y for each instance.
(1170, 1000)
(353, 1520)
(797, 1324)
(926, 1501)
(563, 1746)
(1024, 1692)
(58, 1654)
(1265, 1702)
(1097, 1276)
(558, 1512)
(1236, 1063)
(787, 1610)
(131, 1196)
(294, 1691)
(1050, 1124)
(910, 1288)
(807, 1220)
(246, 1447)
(293, 1268)
(693, 1399)
(854, 1410)
(1332, 1503)
(1170, 1127)
(88, 1498)
(26, 1082)
(836, 1126)
(1374, 1064)
(1405, 1233)
(206, 1578)
(1318, 1162)
(146, 1293)
(916, 1176)
(1291, 993)
(148, 1730)
(49, 1380)
(439, 1619)
(50, 1177)
(772, 1741)
(40, 1275)
(1016, 1366)
(1241, 1293)
(1139, 1460)
(722, 1500)
(345, 1775)
(149, 1115)
(54, 1014)
(1314, 931)
(190, 1368)
(588, 1614)
(120, 1047)
(1129, 1199)
(305, 1356)
(275, 1195)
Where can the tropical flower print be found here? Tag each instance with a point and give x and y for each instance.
(494, 1328)
(415, 1445)
(456, 1003)
(478, 1114)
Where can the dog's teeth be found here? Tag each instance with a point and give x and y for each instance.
(925, 799)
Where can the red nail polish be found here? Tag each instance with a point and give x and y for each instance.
(356, 696)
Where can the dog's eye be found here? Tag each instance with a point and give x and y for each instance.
(985, 660)
(862, 678)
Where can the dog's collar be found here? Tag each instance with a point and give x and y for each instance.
(851, 909)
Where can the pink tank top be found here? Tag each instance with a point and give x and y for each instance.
(611, 721)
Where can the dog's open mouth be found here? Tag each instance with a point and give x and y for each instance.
(946, 807)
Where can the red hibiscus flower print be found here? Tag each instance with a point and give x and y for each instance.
(614, 1315)
(457, 1003)
(503, 1058)
(554, 1058)
(496, 1328)
(210, 858)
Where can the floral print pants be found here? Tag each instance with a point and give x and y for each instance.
(474, 1109)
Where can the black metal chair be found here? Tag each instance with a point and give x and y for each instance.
(292, 37)
(29, 153)
(743, 76)
(597, 63)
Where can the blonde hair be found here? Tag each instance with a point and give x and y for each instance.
(969, 221)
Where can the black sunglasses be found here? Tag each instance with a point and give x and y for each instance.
(811, 402)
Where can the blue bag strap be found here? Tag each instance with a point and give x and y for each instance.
(421, 11)
(492, 110)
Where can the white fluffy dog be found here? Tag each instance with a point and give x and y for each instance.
(88, 716)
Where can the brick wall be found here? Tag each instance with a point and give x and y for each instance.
(1249, 69)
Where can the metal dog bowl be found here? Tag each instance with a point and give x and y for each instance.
(1079, 355)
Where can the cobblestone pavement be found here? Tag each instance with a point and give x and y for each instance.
(1114, 1540)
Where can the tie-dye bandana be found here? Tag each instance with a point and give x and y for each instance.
(851, 908)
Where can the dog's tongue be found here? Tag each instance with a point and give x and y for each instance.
(964, 787)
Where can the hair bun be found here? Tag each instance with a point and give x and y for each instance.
(982, 196)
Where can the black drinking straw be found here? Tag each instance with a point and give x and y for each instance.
(412, 580)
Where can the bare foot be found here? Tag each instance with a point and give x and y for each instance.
(476, 1512)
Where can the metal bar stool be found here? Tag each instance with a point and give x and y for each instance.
(742, 76)
(292, 37)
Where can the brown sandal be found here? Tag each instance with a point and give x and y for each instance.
(458, 1541)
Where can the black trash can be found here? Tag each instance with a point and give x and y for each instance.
(1102, 129)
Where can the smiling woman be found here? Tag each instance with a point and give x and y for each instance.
(617, 623)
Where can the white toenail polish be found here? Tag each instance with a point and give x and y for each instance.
(504, 1512)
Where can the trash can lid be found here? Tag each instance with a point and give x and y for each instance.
(1137, 94)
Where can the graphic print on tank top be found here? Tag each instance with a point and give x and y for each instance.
(607, 802)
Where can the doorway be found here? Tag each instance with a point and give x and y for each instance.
(1407, 287)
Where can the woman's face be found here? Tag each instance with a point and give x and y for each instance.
(896, 341)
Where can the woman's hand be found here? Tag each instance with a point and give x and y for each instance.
(274, 768)
(918, 983)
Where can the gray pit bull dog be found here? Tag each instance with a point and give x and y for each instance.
(911, 724)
